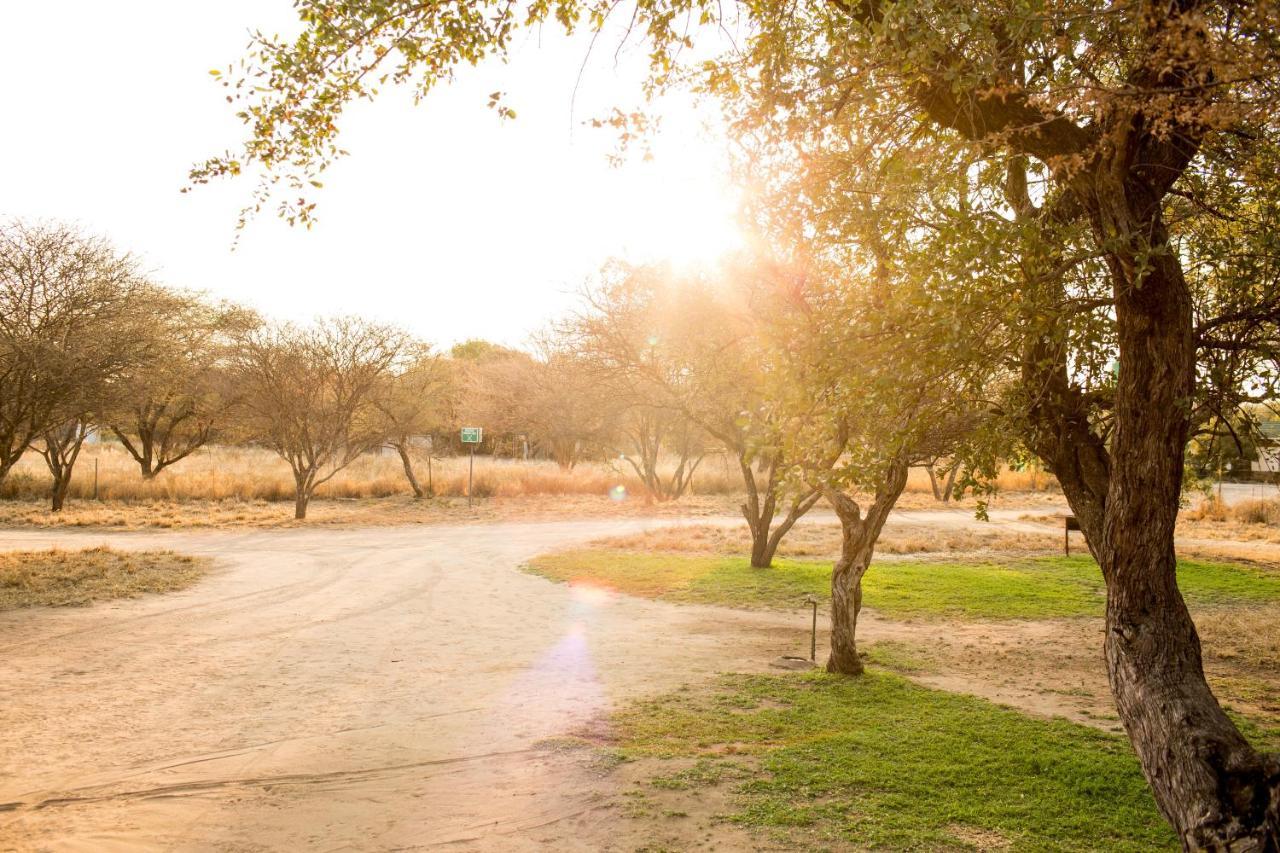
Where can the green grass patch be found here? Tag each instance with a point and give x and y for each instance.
(879, 762)
(1034, 587)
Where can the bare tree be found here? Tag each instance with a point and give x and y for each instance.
(948, 468)
(309, 394)
(166, 407)
(416, 403)
(696, 345)
(66, 333)
(646, 434)
(60, 448)
(548, 397)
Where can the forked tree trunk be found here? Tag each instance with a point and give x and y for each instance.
(951, 483)
(61, 450)
(759, 511)
(933, 482)
(858, 536)
(58, 496)
(1216, 790)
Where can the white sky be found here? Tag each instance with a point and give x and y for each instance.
(444, 219)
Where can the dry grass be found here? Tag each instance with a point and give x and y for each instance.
(228, 486)
(1008, 480)
(374, 512)
(817, 539)
(1251, 511)
(1246, 636)
(253, 474)
(58, 578)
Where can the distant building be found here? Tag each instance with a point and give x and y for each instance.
(1267, 465)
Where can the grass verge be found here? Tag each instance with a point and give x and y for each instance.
(1038, 587)
(58, 578)
(879, 762)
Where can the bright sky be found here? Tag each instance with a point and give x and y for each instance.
(444, 220)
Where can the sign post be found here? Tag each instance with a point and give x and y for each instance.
(472, 437)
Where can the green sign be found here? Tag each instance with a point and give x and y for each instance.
(471, 435)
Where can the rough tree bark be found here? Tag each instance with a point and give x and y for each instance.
(1216, 790)
(1212, 786)
(858, 536)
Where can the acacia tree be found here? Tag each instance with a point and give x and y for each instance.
(309, 394)
(646, 435)
(547, 397)
(660, 444)
(1098, 218)
(167, 406)
(1097, 118)
(67, 331)
(697, 346)
(864, 405)
(416, 403)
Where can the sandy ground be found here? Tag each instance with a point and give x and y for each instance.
(391, 689)
(334, 690)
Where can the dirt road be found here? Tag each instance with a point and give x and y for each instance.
(337, 689)
(387, 689)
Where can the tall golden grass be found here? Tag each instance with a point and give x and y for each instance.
(1008, 480)
(254, 474)
(240, 473)
(1249, 511)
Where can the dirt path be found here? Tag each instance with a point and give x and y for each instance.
(333, 690)
(387, 689)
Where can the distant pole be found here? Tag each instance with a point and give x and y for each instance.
(471, 470)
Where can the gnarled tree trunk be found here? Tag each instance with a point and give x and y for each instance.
(1215, 789)
(858, 535)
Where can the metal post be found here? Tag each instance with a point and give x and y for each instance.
(471, 468)
(813, 632)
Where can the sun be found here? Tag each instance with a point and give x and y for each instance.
(681, 206)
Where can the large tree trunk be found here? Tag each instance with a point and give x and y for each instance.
(857, 546)
(1215, 789)
(846, 604)
(761, 553)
